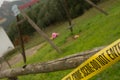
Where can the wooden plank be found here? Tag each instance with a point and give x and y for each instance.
(37, 28)
(94, 5)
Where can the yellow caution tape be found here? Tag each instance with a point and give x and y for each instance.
(97, 63)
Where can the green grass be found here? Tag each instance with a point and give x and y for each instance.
(94, 28)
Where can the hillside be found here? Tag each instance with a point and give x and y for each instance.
(94, 29)
(5, 11)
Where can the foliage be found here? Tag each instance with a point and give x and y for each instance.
(94, 29)
(12, 31)
(48, 12)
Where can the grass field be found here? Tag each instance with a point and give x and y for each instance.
(94, 28)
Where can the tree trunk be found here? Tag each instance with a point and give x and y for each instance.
(65, 5)
(65, 63)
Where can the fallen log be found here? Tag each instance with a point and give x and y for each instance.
(65, 63)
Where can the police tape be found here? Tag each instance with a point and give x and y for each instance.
(97, 63)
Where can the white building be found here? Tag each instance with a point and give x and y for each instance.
(5, 43)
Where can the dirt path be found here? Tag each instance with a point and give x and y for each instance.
(17, 58)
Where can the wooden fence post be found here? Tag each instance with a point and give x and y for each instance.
(21, 41)
(37, 28)
(94, 5)
(65, 5)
